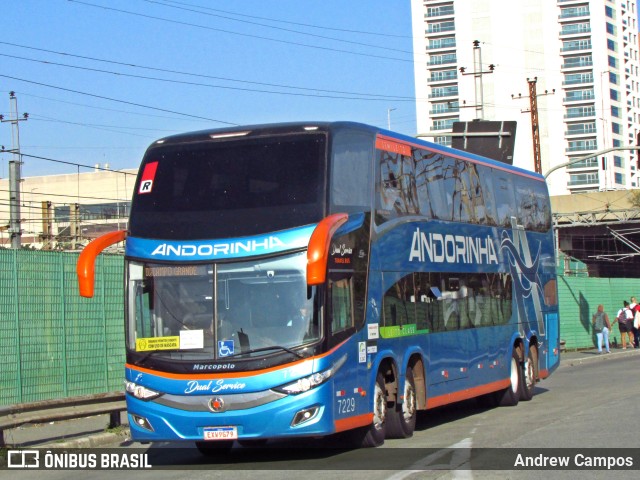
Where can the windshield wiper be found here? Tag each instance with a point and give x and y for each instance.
(264, 349)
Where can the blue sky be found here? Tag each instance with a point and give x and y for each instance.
(102, 79)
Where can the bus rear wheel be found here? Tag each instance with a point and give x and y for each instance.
(401, 419)
(530, 374)
(510, 396)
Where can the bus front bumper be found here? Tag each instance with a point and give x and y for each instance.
(307, 414)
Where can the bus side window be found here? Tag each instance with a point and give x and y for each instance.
(341, 305)
(482, 192)
(505, 199)
(463, 200)
(398, 303)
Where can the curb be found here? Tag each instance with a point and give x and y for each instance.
(571, 362)
(91, 441)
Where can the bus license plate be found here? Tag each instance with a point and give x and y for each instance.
(220, 433)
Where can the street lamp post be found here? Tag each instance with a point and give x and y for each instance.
(389, 110)
(587, 157)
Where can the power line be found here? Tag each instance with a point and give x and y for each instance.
(197, 75)
(323, 37)
(106, 128)
(91, 167)
(102, 97)
(360, 32)
(198, 84)
(128, 112)
(177, 22)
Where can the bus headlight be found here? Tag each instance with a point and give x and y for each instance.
(312, 381)
(138, 391)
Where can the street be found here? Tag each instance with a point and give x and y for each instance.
(578, 407)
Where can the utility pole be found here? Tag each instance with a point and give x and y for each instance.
(15, 230)
(535, 127)
(477, 74)
(47, 222)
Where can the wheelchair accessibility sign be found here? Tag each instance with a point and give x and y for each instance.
(225, 348)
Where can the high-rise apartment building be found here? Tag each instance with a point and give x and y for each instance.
(477, 59)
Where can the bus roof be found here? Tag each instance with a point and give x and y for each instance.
(248, 131)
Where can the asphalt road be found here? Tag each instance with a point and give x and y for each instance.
(583, 407)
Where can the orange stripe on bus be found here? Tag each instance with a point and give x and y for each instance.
(467, 394)
(344, 424)
(217, 375)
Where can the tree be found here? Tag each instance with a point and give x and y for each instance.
(634, 198)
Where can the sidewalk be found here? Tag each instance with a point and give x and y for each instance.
(92, 432)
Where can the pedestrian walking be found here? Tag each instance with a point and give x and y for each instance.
(602, 327)
(624, 317)
(635, 308)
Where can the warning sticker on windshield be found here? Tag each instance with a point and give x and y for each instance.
(157, 343)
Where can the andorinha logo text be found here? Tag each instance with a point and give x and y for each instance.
(208, 250)
(441, 248)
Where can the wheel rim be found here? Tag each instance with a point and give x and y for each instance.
(530, 373)
(409, 404)
(379, 409)
(514, 375)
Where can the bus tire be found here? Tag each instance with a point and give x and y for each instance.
(401, 418)
(510, 396)
(215, 448)
(530, 374)
(374, 434)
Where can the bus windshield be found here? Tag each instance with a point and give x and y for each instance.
(213, 311)
(229, 189)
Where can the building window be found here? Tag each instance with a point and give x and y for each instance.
(616, 128)
(438, 92)
(570, 45)
(615, 111)
(447, 42)
(576, 78)
(613, 78)
(613, 62)
(618, 161)
(440, 27)
(444, 75)
(581, 145)
(611, 29)
(619, 178)
(570, 12)
(614, 95)
(581, 61)
(579, 95)
(581, 128)
(608, 11)
(611, 45)
(583, 179)
(444, 124)
(442, 59)
(575, 28)
(575, 112)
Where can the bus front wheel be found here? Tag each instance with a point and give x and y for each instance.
(374, 434)
(401, 418)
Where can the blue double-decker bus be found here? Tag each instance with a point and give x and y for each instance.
(307, 279)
